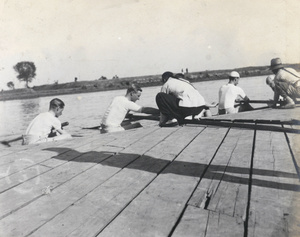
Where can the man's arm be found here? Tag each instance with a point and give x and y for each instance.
(246, 98)
(149, 110)
(211, 105)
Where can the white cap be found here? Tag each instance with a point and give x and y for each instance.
(234, 74)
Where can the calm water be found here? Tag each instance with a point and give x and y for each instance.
(86, 110)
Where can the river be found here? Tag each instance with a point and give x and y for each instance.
(86, 109)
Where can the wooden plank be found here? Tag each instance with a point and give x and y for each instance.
(193, 223)
(148, 140)
(269, 113)
(66, 173)
(200, 222)
(224, 187)
(27, 219)
(274, 185)
(32, 188)
(224, 225)
(116, 193)
(126, 138)
(243, 126)
(205, 223)
(294, 215)
(34, 162)
(231, 195)
(156, 210)
(294, 144)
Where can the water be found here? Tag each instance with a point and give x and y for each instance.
(86, 110)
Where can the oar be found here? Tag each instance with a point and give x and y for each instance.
(132, 117)
(6, 143)
(264, 121)
(135, 117)
(243, 125)
(256, 101)
(263, 102)
(95, 127)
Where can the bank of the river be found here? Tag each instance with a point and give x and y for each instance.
(120, 83)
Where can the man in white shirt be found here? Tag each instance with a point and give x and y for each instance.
(229, 93)
(45, 124)
(286, 83)
(120, 106)
(179, 99)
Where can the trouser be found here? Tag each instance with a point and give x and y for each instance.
(169, 106)
(240, 108)
(286, 89)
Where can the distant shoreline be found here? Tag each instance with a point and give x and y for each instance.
(121, 83)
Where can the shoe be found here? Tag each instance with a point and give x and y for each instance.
(169, 123)
(201, 114)
(288, 106)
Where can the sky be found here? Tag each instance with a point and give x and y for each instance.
(88, 39)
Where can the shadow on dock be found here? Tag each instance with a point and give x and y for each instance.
(161, 166)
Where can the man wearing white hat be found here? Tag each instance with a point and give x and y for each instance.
(286, 83)
(229, 93)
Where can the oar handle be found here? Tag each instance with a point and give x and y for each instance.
(258, 101)
(64, 124)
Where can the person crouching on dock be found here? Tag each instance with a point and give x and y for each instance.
(180, 99)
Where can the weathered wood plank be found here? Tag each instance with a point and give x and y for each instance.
(215, 172)
(15, 199)
(28, 164)
(117, 192)
(66, 173)
(156, 210)
(230, 197)
(129, 137)
(193, 223)
(274, 183)
(224, 225)
(204, 223)
(25, 220)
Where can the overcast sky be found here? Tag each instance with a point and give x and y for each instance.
(93, 38)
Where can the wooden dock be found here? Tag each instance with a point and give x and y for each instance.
(192, 180)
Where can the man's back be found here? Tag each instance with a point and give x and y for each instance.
(289, 75)
(117, 110)
(183, 90)
(42, 124)
(227, 95)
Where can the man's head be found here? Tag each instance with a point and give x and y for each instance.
(166, 75)
(57, 106)
(270, 82)
(179, 75)
(276, 64)
(234, 77)
(134, 92)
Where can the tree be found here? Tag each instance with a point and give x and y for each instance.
(26, 71)
(10, 85)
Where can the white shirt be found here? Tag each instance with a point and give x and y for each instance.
(117, 111)
(42, 124)
(227, 95)
(183, 90)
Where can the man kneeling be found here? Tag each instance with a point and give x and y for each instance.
(46, 126)
(286, 84)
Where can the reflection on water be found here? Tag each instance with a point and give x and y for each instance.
(86, 109)
(30, 107)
